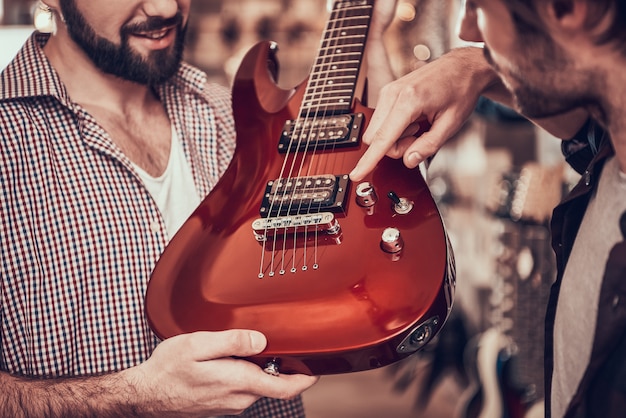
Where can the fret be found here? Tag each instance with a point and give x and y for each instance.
(330, 75)
(345, 23)
(323, 70)
(348, 64)
(338, 98)
(330, 89)
(332, 80)
(357, 32)
(341, 47)
(346, 68)
(344, 88)
(341, 53)
(332, 70)
(345, 36)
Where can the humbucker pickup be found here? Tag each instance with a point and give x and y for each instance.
(321, 133)
(303, 195)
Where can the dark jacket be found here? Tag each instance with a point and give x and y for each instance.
(602, 391)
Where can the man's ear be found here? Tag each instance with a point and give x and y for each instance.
(53, 4)
(43, 19)
(566, 14)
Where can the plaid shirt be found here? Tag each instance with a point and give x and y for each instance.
(80, 233)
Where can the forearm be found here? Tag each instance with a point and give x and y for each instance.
(102, 396)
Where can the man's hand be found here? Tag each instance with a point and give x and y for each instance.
(196, 375)
(190, 375)
(442, 93)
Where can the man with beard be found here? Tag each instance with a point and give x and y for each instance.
(109, 142)
(561, 63)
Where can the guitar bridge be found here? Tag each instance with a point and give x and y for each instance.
(265, 228)
(318, 133)
(304, 195)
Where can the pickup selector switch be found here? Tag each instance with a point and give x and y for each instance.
(401, 205)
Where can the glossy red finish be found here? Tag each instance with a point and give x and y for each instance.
(348, 314)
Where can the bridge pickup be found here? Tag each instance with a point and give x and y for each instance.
(319, 133)
(265, 228)
(304, 195)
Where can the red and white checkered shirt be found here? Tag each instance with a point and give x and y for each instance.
(80, 232)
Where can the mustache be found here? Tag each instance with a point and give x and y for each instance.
(154, 23)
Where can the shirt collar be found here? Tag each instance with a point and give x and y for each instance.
(30, 74)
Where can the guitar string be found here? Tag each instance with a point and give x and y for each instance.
(323, 79)
(344, 40)
(303, 121)
(285, 182)
(308, 120)
(319, 80)
(331, 42)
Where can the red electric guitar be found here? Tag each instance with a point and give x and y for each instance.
(340, 277)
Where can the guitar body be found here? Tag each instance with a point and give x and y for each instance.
(325, 293)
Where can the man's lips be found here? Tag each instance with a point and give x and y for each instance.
(154, 34)
(156, 39)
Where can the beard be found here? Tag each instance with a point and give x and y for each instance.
(543, 81)
(121, 60)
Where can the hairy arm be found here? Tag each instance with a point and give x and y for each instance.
(191, 375)
(103, 396)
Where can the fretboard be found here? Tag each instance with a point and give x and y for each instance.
(334, 76)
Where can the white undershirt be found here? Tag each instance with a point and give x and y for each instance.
(577, 307)
(173, 191)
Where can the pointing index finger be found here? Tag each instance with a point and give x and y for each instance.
(396, 125)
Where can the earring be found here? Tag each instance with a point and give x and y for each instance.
(43, 19)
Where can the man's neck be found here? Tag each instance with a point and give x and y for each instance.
(612, 109)
(131, 113)
(87, 84)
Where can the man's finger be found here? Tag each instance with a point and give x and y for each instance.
(428, 143)
(284, 386)
(204, 345)
(391, 143)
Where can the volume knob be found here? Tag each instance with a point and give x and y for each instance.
(366, 195)
(391, 241)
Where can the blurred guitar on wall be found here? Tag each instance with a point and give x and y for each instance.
(506, 360)
(340, 277)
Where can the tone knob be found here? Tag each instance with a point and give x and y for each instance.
(391, 241)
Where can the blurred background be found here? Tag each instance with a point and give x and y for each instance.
(495, 182)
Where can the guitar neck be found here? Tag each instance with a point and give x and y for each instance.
(334, 77)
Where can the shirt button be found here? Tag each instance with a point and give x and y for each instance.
(155, 226)
(615, 301)
(587, 176)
